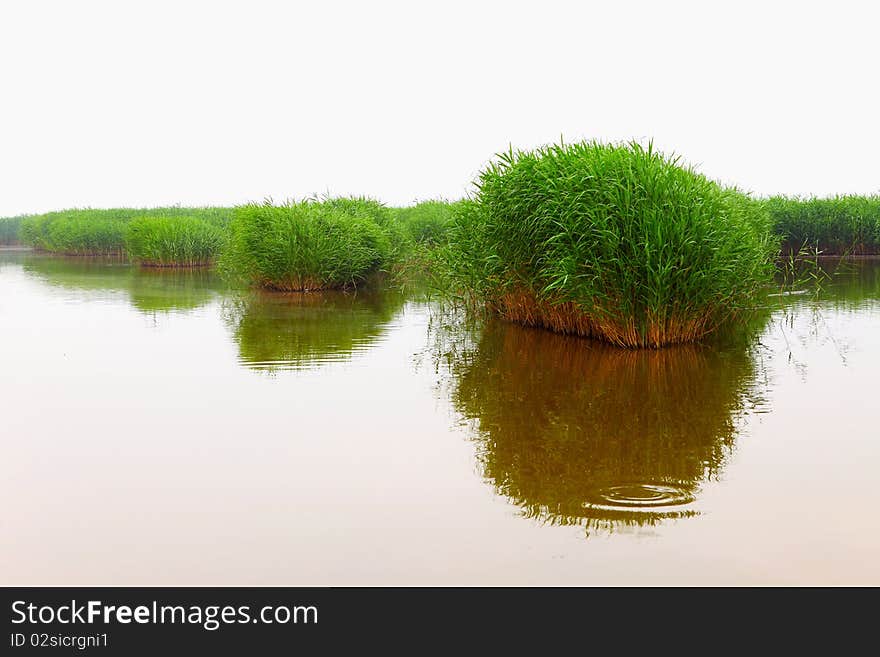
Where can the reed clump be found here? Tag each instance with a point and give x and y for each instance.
(91, 232)
(839, 225)
(173, 241)
(614, 242)
(428, 222)
(308, 245)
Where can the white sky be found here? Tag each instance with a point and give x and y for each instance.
(147, 103)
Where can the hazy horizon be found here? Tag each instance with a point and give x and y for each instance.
(208, 103)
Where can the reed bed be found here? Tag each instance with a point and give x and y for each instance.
(75, 234)
(614, 242)
(427, 223)
(840, 225)
(173, 241)
(309, 245)
(104, 232)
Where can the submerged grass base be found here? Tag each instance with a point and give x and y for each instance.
(297, 284)
(175, 265)
(565, 317)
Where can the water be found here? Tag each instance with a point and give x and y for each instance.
(158, 428)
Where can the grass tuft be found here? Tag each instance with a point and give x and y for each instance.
(173, 241)
(305, 246)
(614, 242)
(428, 222)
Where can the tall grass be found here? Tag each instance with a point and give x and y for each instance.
(615, 242)
(399, 244)
(427, 222)
(173, 241)
(835, 226)
(359, 206)
(102, 232)
(75, 234)
(308, 245)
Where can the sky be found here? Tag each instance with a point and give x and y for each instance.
(108, 104)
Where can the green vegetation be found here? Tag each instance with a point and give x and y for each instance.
(358, 206)
(327, 242)
(75, 234)
(582, 433)
(305, 330)
(616, 242)
(173, 241)
(9, 229)
(105, 232)
(836, 226)
(427, 222)
(399, 246)
(309, 245)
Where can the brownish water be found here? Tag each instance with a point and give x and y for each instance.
(160, 429)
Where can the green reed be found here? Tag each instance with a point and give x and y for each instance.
(173, 241)
(308, 245)
(834, 226)
(427, 222)
(617, 242)
(102, 232)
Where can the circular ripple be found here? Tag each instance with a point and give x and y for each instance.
(639, 496)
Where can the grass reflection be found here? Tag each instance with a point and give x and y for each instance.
(304, 330)
(149, 291)
(577, 432)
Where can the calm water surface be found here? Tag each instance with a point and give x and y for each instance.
(158, 428)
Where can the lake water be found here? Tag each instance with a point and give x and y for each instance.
(159, 429)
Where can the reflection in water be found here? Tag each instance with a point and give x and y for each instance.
(851, 284)
(303, 330)
(830, 291)
(160, 446)
(149, 290)
(172, 289)
(839, 283)
(577, 432)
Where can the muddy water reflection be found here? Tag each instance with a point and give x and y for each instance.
(300, 331)
(575, 432)
(149, 290)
